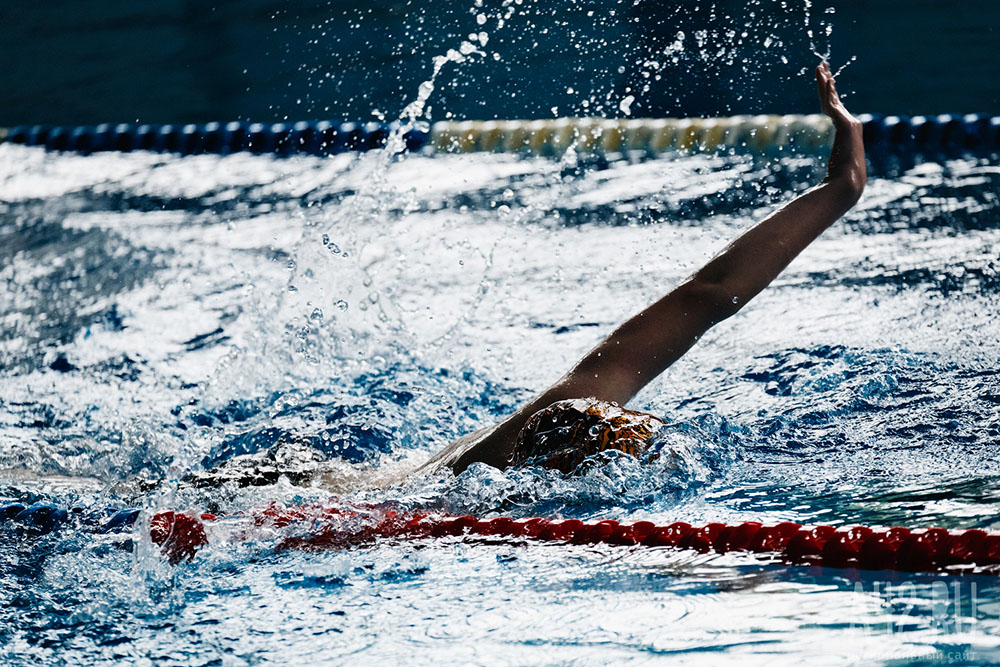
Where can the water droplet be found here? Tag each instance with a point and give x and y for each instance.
(626, 104)
(316, 315)
(736, 299)
(341, 305)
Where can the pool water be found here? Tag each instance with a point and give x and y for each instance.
(173, 323)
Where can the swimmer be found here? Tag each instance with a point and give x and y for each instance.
(579, 415)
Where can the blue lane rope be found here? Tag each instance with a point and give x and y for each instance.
(312, 138)
(888, 134)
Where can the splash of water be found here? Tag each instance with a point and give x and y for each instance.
(828, 29)
(840, 69)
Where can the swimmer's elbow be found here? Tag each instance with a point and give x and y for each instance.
(858, 182)
(849, 185)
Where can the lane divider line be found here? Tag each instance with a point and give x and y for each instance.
(180, 535)
(553, 137)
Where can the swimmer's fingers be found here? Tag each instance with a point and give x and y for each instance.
(821, 85)
(829, 99)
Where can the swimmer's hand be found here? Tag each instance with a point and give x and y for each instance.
(847, 159)
(829, 100)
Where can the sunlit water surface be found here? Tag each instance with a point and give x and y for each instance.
(169, 321)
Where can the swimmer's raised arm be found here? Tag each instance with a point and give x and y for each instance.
(649, 342)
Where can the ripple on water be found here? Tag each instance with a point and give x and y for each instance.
(160, 347)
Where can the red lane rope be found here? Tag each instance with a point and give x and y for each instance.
(181, 535)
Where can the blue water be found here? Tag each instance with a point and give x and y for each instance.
(215, 333)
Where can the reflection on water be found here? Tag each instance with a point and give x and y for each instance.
(220, 332)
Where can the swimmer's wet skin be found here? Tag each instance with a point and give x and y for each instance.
(645, 345)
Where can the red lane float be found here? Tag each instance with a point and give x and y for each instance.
(181, 535)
